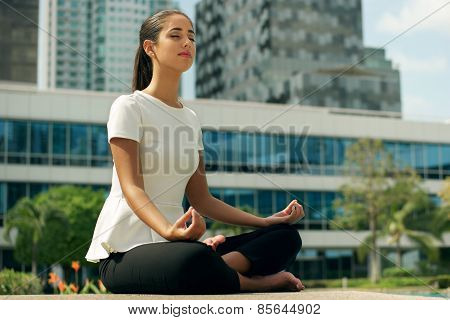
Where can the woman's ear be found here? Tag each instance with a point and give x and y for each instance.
(148, 47)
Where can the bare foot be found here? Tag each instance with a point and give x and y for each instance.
(280, 281)
(213, 242)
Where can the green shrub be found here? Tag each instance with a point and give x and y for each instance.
(392, 282)
(315, 284)
(12, 282)
(443, 281)
(396, 282)
(397, 272)
(426, 268)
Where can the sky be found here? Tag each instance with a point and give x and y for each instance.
(422, 53)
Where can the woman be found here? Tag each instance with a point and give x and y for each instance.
(141, 239)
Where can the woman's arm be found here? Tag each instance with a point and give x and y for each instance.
(199, 197)
(220, 211)
(125, 153)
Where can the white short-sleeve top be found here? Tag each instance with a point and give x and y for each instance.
(169, 142)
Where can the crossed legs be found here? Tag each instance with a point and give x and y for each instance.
(260, 256)
(237, 261)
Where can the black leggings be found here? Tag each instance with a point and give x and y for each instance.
(192, 267)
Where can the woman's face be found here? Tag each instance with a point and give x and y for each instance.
(177, 36)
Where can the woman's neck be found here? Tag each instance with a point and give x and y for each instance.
(165, 89)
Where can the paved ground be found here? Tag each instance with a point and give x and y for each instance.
(311, 294)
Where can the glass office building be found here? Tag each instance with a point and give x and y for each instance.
(283, 51)
(56, 137)
(91, 45)
(18, 40)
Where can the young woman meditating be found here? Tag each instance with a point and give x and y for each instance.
(141, 238)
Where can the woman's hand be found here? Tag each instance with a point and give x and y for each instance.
(195, 231)
(214, 241)
(292, 213)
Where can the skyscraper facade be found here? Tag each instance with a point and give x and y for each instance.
(18, 40)
(302, 51)
(90, 45)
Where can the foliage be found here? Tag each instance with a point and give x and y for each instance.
(12, 282)
(53, 223)
(30, 219)
(388, 282)
(412, 214)
(60, 285)
(397, 272)
(390, 202)
(443, 281)
(81, 206)
(363, 199)
(426, 268)
(445, 192)
(444, 216)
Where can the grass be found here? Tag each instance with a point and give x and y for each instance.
(393, 282)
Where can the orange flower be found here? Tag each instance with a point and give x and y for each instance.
(61, 286)
(53, 278)
(75, 265)
(73, 288)
(101, 286)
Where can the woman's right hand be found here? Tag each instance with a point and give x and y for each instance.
(195, 231)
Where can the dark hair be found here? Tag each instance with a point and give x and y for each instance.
(150, 30)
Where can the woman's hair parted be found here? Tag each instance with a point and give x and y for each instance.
(150, 30)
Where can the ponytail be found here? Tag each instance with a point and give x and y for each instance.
(143, 70)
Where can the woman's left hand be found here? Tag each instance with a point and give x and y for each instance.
(292, 213)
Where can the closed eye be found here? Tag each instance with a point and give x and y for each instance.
(179, 36)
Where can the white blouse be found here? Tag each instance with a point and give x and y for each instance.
(169, 143)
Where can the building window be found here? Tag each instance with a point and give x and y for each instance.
(17, 141)
(99, 146)
(59, 144)
(2, 140)
(78, 144)
(39, 143)
(265, 202)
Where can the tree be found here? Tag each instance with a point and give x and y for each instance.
(409, 207)
(55, 226)
(363, 199)
(445, 193)
(389, 201)
(29, 219)
(444, 217)
(81, 207)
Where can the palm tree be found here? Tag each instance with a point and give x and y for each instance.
(363, 200)
(29, 219)
(397, 228)
(411, 214)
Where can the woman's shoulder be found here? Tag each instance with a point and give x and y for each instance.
(125, 103)
(126, 99)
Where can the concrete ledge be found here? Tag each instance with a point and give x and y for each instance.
(313, 294)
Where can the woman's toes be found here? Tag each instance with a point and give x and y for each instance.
(219, 238)
(300, 286)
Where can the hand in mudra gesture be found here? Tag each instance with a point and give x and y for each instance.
(179, 231)
(292, 213)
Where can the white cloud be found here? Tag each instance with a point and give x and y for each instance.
(423, 65)
(412, 12)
